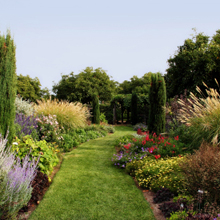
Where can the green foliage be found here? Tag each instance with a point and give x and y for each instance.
(81, 87)
(96, 111)
(196, 61)
(141, 126)
(157, 98)
(179, 215)
(110, 129)
(107, 110)
(22, 106)
(28, 88)
(76, 136)
(103, 118)
(185, 136)
(137, 85)
(124, 140)
(7, 86)
(69, 142)
(154, 174)
(46, 151)
(134, 109)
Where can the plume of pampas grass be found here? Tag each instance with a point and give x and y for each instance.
(69, 115)
(203, 115)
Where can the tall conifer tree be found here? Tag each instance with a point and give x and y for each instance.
(7, 85)
(157, 98)
(96, 111)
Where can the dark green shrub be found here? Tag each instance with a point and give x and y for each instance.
(134, 110)
(7, 86)
(107, 110)
(157, 98)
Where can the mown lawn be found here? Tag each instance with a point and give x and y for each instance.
(88, 186)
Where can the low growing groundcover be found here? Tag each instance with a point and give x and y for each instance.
(88, 186)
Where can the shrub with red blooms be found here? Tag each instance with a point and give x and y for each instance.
(159, 146)
(202, 172)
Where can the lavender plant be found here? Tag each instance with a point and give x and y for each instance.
(15, 181)
(26, 125)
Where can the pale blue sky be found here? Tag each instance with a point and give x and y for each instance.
(125, 38)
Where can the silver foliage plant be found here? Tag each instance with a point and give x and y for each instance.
(22, 106)
(15, 180)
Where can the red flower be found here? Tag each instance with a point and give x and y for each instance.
(139, 131)
(176, 138)
(173, 151)
(174, 145)
(157, 156)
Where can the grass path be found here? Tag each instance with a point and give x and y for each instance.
(88, 186)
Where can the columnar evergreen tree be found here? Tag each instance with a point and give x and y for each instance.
(134, 113)
(157, 98)
(96, 111)
(7, 85)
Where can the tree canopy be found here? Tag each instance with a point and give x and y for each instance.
(28, 88)
(81, 87)
(137, 85)
(195, 62)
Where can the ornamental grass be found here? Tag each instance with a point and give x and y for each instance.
(203, 116)
(69, 115)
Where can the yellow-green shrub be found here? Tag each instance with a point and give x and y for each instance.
(154, 174)
(69, 115)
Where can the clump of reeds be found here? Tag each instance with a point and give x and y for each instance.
(69, 115)
(203, 115)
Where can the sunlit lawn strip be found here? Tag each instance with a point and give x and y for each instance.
(88, 186)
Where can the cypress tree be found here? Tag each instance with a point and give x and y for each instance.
(157, 99)
(134, 112)
(96, 111)
(7, 85)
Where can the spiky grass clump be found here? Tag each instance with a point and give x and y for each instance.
(203, 116)
(69, 115)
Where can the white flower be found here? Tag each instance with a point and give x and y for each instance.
(15, 143)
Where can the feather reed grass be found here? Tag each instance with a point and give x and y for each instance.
(203, 116)
(69, 115)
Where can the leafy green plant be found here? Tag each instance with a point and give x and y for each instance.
(110, 128)
(103, 118)
(68, 142)
(178, 215)
(46, 151)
